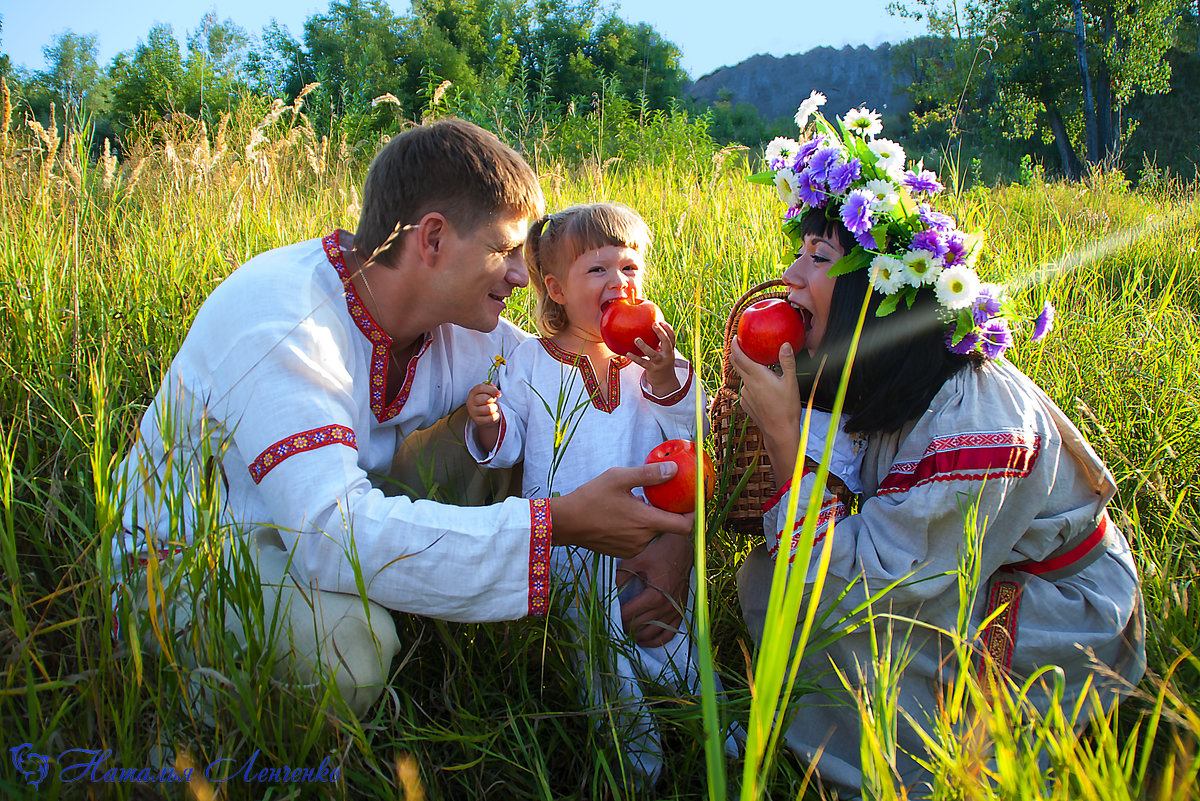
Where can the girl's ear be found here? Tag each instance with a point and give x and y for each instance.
(554, 289)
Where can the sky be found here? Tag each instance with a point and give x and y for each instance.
(709, 34)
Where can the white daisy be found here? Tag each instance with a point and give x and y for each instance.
(886, 194)
(923, 267)
(808, 108)
(887, 274)
(781, 148)
(957, 287)
(863, 122)
(787, 184)
(890, 156)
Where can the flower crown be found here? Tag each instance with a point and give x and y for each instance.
(849, 170)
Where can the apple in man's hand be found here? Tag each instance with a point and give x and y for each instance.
(678, 493)
(626, 319)
(765, 326)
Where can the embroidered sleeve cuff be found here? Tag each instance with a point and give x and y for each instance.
(539, 556)
(309, 440)
(774, 499)
(676, 396)
(473, 444)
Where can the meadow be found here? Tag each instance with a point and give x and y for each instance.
(103, 265)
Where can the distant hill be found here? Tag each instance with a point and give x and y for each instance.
(849, 77)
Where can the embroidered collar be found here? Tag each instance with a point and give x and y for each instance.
(381, 343)
(606, 402)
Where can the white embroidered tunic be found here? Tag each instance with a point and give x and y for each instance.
(990, 436)
(273, 414)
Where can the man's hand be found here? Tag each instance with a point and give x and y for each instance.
(665, 567)
(484, 411)
(602, 515)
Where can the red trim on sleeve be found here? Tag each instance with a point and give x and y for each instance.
(1071, 556)
(269, 459)
(966, 457)
(676, 396)
(774, 500)
(539, 556)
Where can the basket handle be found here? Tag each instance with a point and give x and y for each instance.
(729, 376)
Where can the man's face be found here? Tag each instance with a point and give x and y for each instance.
(484, 267)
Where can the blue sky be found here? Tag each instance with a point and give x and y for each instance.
(710, 34)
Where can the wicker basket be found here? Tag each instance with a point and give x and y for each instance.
(737, 440)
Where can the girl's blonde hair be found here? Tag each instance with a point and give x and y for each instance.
(556, 240)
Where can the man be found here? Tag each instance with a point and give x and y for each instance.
(297, 381)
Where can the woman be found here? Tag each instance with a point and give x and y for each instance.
(950, 427)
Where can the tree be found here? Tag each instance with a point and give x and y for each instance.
(71, 73)
(215, 53)
(149, 82)
(1066, 67)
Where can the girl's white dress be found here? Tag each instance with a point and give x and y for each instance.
(570, 424)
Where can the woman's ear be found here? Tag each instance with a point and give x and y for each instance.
(554, 289)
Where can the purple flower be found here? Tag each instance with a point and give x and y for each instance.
(965, 345)
(822, 160)
(856, 211)
(933, 241)
(807, 149)
(996, 338)
(777, 164)
(1044, 323)
(956, 248)
(842, 175)
(866, 240)
(794, 211)
(935, 219)
(986, 304)
(923, 182)
(811, 190)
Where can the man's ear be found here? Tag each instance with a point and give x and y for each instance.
(431, 231)
(554, 289)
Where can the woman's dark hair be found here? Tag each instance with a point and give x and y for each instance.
(902, 360)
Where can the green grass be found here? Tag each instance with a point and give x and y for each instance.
(99, 283)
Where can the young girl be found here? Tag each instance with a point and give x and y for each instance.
(571, 408)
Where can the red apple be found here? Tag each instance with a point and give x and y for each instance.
(624, 320)
(678, 493)
(765, 326)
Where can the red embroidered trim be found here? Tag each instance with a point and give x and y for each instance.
(605, 404)
(774, 499)
(674, 397)
(298, 443)
(539, 556)
(381, 343)
(1000, 636)
(832, 510)
(966, 457)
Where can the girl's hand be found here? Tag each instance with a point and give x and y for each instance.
(773, 402)
(484, 411)
(659, 364)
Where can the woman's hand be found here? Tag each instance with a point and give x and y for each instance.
(773, 402)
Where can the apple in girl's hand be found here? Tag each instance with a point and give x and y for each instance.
(678, 493)
(624, 320)
(765, 326)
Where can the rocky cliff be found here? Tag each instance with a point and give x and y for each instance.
(849, 77)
